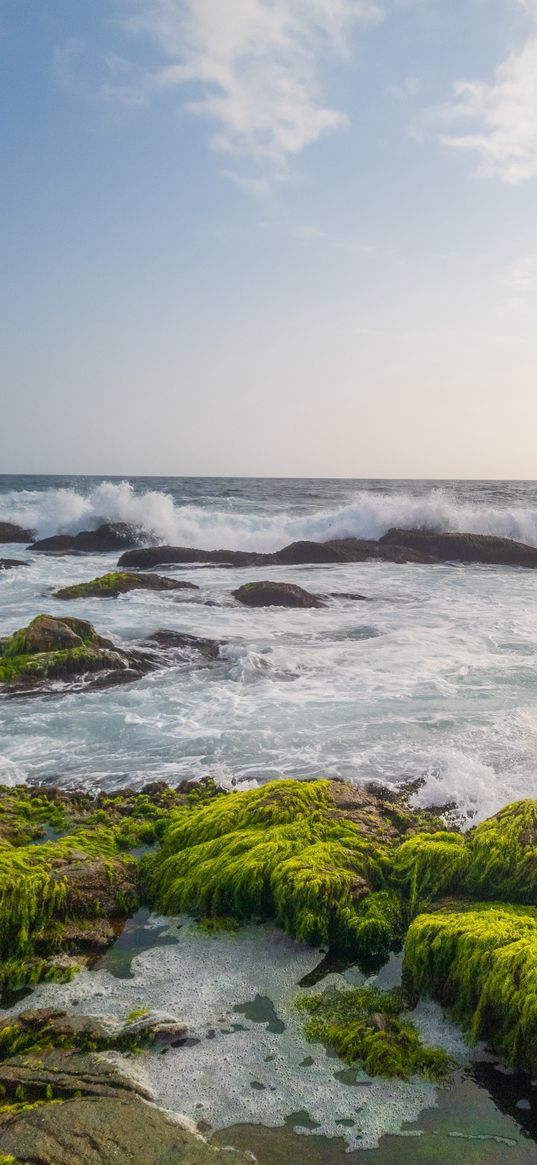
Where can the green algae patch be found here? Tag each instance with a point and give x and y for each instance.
(480, 961)
(281, 852)
(368, 1028)
(430, 866)
(118, 582)
(503, 855)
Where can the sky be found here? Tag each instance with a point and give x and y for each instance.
(269, 237)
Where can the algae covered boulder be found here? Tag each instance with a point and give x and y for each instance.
(502, 855)
(314, 856)
(275, 594)
(118, 583)
(480, 961)
(52, 649)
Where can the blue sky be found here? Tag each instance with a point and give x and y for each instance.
(269, 237)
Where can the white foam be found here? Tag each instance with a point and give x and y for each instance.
(368, 515)
(202, 980)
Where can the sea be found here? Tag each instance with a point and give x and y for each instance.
(433, 679)
(430, 678)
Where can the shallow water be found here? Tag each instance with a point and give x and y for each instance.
(249, 1078)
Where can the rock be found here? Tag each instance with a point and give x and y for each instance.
(275, 594)
(151, 556)
(65, 1072)
(455, 547)
(307, 552)
(108, 536)
(11, 563)
(176, 641)
(349, 595)
(9, 532)
(93, 1130)
(121, 583)
(52, 649)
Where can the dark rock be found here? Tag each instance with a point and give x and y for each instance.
(11, 563)
(108, 536)
(9, 532)
(176, 641)
(350, 595)
(275, 594)
(151, 556)
(306, 552)
(455, 547)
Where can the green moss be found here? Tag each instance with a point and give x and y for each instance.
(430, 865)
(367, 1027)
(111, 585)
(50, 664)
(502, 854)
(480, 961)
(280, 852)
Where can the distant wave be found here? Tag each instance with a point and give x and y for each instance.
(368, 515)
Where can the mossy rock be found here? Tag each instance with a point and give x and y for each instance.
(288, 852)
(480, 961)
(118, 583)
(51, 649)
(502, 855)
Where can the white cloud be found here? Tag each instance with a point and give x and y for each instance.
(497, 120)
(257, 66)
(521, 276)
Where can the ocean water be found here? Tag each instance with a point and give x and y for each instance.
(434, 677)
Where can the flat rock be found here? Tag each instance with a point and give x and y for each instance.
(460, 547)
(114, 1130)
(110, 586)
(11, 563)
(151, 556)
(10, 532)
(275, 594)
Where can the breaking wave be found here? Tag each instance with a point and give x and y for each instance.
(243, 526)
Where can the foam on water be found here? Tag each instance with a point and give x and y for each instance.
(230, 522)
(203, 981)
(434, 678)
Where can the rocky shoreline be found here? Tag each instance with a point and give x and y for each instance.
(357, 870)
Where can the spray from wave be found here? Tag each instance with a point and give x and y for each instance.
(368, 515)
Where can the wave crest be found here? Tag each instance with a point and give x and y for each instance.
(368, 515)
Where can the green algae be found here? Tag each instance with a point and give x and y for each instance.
(280, 852)
(112, 584)
(368, 1027)
(430, 866)
(480, 961)
(502, 855)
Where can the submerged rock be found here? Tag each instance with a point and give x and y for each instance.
(275, 594)
(9, 532)
(180, 642)
(108, 536)
(110, 586)
(11, 563)
(51, 649)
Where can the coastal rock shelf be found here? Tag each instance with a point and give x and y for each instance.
(398, 546)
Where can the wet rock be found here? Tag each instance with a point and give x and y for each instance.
(109, 536)
(10, 532)
(275, 594)
(151, 556)
(110, 586)
(176, 641)
(94, 1130)
(64, 648)
(11, 563)
(455, 547)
